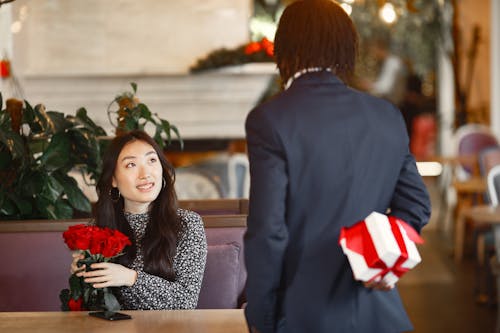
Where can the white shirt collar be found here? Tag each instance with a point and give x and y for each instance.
(302, 72)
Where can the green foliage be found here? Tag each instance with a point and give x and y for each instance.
(137, 116)
(34, 163)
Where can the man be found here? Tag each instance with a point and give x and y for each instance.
(322, 156)
(391, 79)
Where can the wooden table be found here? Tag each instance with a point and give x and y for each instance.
(168, 321)
(482, 214)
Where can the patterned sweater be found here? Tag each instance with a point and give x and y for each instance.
(151, 292)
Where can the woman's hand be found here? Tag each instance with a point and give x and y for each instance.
(106, 274)
(77, 255)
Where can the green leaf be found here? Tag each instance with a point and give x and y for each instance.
(13, 142)
(24, 206)
(58, 120)
(75, 196)
(144, 112)
(63, 210)
(176, 131)
(131, 124)
(5, 159)
(57, 154)
(45, 208)
(75, 285)
(64, 296)
(134, 87)
(7, 207)
(1, 100)
(157, 137)
(28, 115)
(52, 189)
(81, 114)
(32, 183)
(166, 128)
(110, 301)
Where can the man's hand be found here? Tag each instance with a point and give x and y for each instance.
(378, 284)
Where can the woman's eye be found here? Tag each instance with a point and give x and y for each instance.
(130, 165)
(153, 160)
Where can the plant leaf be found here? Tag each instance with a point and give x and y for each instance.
(81, 114)
(57, 154)
(13, 142)
(75, 285)
(176, 131)
(63, 210)
(134, 87)
(7, 206)
(157, 137)
(74, 195)
(64, 296)
(110, 301)
(144, 112)
(58, 120)
(51, 189)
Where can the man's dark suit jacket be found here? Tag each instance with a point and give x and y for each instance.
(323, 156)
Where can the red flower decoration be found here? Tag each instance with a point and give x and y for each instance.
(268, 46)
(253, 47)
(4, 68)
(95, 240)
(75, 305)
(264, 45)
(98, 245)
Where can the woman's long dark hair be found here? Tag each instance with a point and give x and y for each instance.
(315, 33)
(162, 233)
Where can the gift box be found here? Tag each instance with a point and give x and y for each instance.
(380, 246)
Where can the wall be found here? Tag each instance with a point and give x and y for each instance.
(72, 53)
(71, 37)
(470, 13)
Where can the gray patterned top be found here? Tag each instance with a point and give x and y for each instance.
(151, 292)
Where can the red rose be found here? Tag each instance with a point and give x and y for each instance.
(98, 241)
(115, 244)
(104, 241)
(77, 237)
(75, 305)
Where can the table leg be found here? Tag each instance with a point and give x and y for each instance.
(459, 235)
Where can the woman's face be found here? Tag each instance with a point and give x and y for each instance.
(138, 176)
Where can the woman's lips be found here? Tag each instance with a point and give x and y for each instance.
(146, 186)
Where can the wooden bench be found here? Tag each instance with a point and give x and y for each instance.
(35, 265)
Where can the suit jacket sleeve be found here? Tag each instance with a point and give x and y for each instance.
(410, 200)
(267, 236)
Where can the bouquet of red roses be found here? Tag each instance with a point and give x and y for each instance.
(98, 245)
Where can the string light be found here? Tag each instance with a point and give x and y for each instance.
(387, 13)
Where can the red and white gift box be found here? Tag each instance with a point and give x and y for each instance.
(380, 246)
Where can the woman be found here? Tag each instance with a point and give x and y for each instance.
(163, 269)
(322, 156)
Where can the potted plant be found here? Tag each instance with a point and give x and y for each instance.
(37, 150)
(132, 115)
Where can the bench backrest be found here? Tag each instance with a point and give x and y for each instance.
(35, 265)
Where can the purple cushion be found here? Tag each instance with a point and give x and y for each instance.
(219, 289)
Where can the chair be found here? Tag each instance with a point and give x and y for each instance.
(470, 140)
(488, 158)
(195, 183)
(494, 193)
(238, 171)
(484, 235)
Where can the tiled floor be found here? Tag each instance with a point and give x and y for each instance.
(439, 293)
